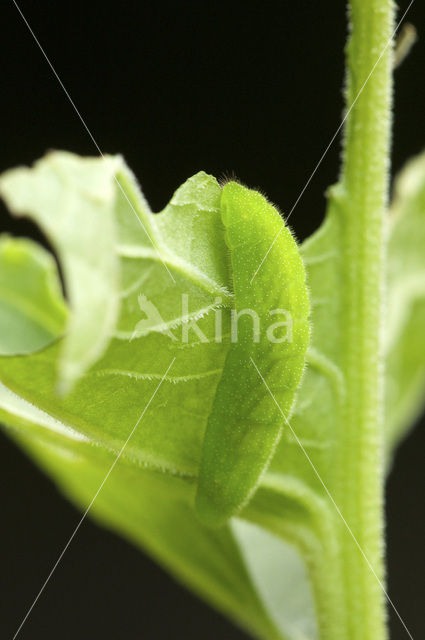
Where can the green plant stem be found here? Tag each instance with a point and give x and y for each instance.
(363, 189)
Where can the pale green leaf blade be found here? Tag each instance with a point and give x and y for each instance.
(72, 199)
(405, 318)
(156, 515)
(95, 418)
(281, 579)
(190, 227)
(108, 398)
(75, 437)
(32, 310)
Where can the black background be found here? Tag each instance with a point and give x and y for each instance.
(250, 88)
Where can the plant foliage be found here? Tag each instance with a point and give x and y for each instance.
(250, 468)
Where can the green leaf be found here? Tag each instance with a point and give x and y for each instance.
(153, 510)
(77, 436)
(32, 310)
(405, 318)
(245, 423)
(175, 274)
(73, 202)
(108, 398)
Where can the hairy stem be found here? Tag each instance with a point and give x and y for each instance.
(363, 195)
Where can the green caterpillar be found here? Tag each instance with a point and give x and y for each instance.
(245, 424)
